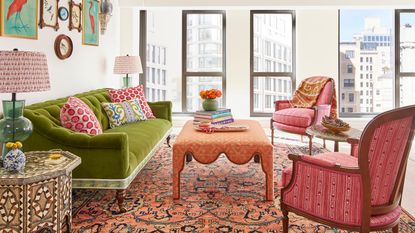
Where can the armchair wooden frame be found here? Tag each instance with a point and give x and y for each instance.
(363, 171)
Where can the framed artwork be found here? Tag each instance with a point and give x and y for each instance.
(75, 16)
(63, 47)
(19, 18)
(63, 13)
(49, 14)
(90, 22)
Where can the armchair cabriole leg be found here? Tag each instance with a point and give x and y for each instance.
(272, 132)
(285, 221)
(395, 229)
(168, 140)
(120, 196)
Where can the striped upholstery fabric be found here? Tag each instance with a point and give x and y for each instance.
(385, 155)
(327, 194)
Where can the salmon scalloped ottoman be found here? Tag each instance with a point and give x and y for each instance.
(239, 148)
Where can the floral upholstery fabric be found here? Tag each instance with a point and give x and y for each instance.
(124, 112)
(77, 116)
(299, 117)
(121, 95)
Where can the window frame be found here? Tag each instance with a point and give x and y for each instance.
(253, 73)
(185, 73)
(398, 73)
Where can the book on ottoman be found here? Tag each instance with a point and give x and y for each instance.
(220, 116)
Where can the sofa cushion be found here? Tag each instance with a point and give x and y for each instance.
(124, 112)
(122, 95)
(299, 117)
(143, 136)
(77, 116)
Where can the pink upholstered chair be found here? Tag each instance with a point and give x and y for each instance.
(358, 194)
(296, 120)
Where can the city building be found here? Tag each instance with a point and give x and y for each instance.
(365, 70)
(272, 53)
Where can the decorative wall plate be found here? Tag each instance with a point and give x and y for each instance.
(63, 13)
(63, 47)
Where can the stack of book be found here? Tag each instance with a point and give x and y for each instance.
(220, 116)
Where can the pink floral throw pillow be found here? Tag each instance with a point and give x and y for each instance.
(77, 116)
(122, 95)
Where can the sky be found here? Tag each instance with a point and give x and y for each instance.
(352, 21)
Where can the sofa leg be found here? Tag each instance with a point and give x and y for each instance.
(285, 221)
(168, 140)
(120, 196)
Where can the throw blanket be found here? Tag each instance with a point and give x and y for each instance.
(308, 92)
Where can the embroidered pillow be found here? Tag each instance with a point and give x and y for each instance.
(124, 112)
(77, 116)
(131, 93)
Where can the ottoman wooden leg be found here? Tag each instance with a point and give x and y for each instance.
(268, 168)
(178, 165)
(257, 159)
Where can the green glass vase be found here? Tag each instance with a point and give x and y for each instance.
(14, 126)
(210, 105)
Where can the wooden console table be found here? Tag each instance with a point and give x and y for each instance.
(39, 199)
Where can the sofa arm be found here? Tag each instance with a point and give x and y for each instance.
(162, 109)
(62, 136)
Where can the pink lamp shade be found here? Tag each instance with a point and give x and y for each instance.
(23, 71)
(127, 65)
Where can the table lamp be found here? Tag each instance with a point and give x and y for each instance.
(127, 65)
(20, 71)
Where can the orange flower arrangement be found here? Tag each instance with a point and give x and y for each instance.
(210, 94)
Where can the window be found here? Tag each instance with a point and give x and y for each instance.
(272, 66)
(204, 66)
(162, 73)
(349, 69)
(361, 31)
(351, 97)
(349, 54)
(405, 64)
(349, 83)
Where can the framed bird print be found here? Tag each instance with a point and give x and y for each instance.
(90, 22)
(19, 18)
(75, 15)
(49, 14)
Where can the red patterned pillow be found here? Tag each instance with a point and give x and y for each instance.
(77, 116)
(122, 95)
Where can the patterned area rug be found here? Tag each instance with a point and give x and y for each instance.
(220, 197)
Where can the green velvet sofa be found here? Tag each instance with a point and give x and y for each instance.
(110, 160)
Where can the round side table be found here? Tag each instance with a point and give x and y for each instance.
(319, 131)
(38, 199)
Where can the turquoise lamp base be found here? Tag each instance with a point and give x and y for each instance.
(14, 126)
(126, 82)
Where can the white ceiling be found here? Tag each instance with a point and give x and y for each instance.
(270, 3)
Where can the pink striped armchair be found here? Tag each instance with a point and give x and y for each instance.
(360, 193)
(296, 120)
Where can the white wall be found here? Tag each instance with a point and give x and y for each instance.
(237, 62)
(89, 67)
(317, 43)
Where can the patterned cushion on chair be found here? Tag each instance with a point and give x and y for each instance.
(342, 159)
(299, 117)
